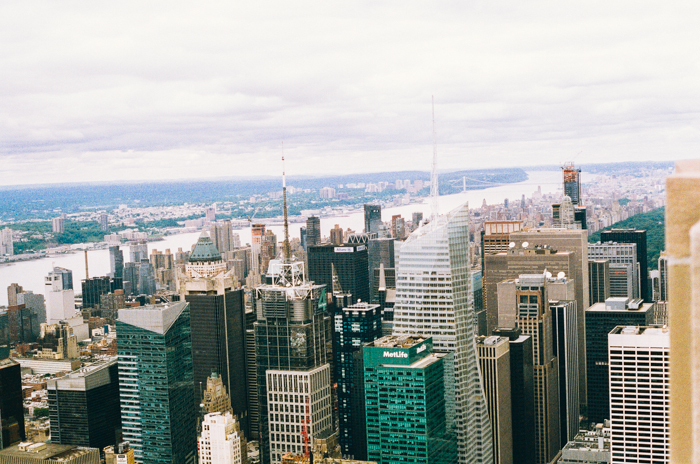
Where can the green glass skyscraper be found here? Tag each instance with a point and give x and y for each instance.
(156, 384)
(405, 402)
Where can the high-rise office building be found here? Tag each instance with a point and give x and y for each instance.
(624, 268)
(353, 326)
(138, 251)
(638, 237)
(495, 238)
(268, 250)
(598, 280)
(313, 231)
(576, 242)
(535, 318)
(398, 227)
(215, 398)
(350, 262)
(217, 323)
(93, 288)
(155, 383)
(663, 276)
(222, 235)
(163, 266)
(84, 406)
(33, 302)
(601, 318)
(221, 440)
(12, 291)
(11, 407)
(494, 361)
(639, 394)
(59, 294)
(522, 394)
(380, 251)
(337, 235)
(373, 218)
(293, 354)
(564, 324)
(500, 311)
(405, 402)
(433, 298)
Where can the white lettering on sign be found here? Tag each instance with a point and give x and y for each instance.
(343, 249)
(361, 247)
(395, 354)
(421, 348)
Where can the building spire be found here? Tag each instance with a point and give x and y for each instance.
(287, 254)
(434, 209)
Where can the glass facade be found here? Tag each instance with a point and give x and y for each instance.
(434, 298)
(156, 383)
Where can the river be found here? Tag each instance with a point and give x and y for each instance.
(30, 274)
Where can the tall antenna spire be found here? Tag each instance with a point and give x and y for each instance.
(434, 210)
(286, 251)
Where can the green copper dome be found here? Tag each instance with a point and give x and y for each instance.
(204, 250)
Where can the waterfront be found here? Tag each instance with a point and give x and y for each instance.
(30, 274)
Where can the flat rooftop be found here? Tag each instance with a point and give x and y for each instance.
(399, 341)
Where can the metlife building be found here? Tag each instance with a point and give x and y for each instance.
(405, 401)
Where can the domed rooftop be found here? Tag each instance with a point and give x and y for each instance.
(204, 251)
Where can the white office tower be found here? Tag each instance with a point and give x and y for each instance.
(300, 407)
(60, 298)
(434, 299)
(221, 440)
(639, 394)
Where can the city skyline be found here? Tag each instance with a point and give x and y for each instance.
(106, 92)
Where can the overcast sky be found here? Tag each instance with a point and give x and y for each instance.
(94, 90)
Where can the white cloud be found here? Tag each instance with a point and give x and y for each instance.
(133, 90)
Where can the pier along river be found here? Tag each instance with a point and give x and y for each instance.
(30, 274)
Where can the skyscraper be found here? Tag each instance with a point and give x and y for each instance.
(155, 383)
(433, 298)
(84, 406)
(116, 262)
(638, 237)
(373, 218)
(572, 182)
(535, 319)
(405, 402)
(598, 280)
(11, 407)
(337, 235)
(6, 242)
(639, 394)
(494, 360)
(351, 264)
(221, 440)
(138, 250)
(379, 251)
(60, 297)
(601, 318)
(293, 354)
(313, 231)
(624, 267)
(354, 326)
(217, 324)
(522, 396)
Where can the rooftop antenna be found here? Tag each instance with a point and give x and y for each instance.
(287, 253)
(433, 177)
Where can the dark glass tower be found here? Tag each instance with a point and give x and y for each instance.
(313, 231)
(373, 218)
(640, 238)
(217, 323)
(379, 251)
(84, 406)
(353, 326)
(116, 262)
(601, 318)
(572, 183)
(598, 280)
(11, 409)
(292, 335)
(155, 383)
(351, 264)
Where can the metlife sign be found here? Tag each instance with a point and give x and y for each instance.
(395, 354)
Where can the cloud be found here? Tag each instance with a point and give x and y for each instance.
(130, 90)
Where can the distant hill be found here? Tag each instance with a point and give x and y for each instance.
(653, 222)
